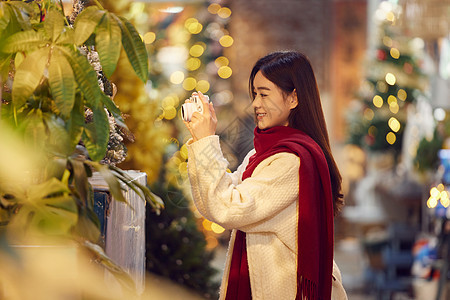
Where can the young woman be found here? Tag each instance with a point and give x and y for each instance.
(281, 200)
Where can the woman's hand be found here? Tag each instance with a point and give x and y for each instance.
(202, 125)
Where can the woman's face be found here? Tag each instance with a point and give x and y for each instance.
(271, 108)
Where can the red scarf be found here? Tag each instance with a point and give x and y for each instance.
(315, 216)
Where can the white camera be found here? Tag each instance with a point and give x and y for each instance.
(188, 108)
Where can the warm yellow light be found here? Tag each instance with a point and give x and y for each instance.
(377, 101)
(169, 101)
(401, 94)
(170, 113)
(395, 53)
(221, 61)
(217, 228)
(177, 77)
(387, 41)
(432, 202)
(214, 8)
(195, 28)
(394, 124)
(202, 86)
(224, 12)
(391, 99)
(226, 41)
(382, 86)
(372, 130)
(196, 50)
(193, 63)
(189, 84)
(182, 167)
(184, 151)
(207, 224)
(189, 22)
(390, 16)
(390, 78)
(445, 201)
(391, 138)
(369, 114)
(440, 187)
(224, 72)
(434, 192)
(394, 108)
(149, 37)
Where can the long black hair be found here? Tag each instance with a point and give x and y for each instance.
(290, 71)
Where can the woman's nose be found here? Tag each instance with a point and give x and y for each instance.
(256, 103)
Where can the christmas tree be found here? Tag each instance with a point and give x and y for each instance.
(393, 81)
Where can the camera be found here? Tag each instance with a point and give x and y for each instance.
(194, 104)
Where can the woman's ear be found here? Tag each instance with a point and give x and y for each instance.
(293, 100)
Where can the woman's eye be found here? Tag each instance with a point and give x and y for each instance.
(263, 95)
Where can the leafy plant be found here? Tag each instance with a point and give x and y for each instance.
(52, 96)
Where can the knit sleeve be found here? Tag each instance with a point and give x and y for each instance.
(223, 198)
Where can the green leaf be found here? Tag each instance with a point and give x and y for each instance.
(86, 22)
(155, 201)
(4, 65)
(20, 12)
(81, 178)
(5, 16)
(96, 134)
(112, 181)
(134, 48)
(66, 37)
(58, 137)
(24, 41)
(86, 227)
(121, 275)
(47, 207)
(54, 24)
(28, 76)
(85, 76)
(62, 82)
(75, 124)
(112, 108)
(35, 130)
(107, 40)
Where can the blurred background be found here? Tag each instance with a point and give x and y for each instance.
(383, 71)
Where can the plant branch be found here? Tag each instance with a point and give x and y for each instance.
(98, 4)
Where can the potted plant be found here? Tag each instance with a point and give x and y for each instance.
(55, 94)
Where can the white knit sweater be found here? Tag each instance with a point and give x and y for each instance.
(264, 206)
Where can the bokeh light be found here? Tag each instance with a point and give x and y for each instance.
(369, 114)
(177, 77)
(391, 99)
(390, 78)
(391, 138)
(377, 101)
(401, 94)
(224, 12)
(193, 25)
(149, 37)
(221, 61)
(193, 63)
(189, 83)
(226, 41)
(224, 72)
(394, 124)
(395, 53)
(394, 108)
(196, 50)
(216, 228)
(203, 86)
(214, 8)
